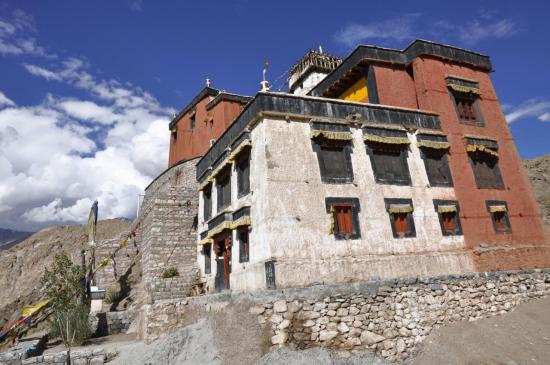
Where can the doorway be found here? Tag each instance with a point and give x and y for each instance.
(223, 261)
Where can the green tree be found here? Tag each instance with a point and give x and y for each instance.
(62, 285)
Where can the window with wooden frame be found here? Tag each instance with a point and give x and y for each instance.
(484, 160)
(174, 133)
(400, 212)
(207, 202)
(243, 172)
(434, 151)
(499, 216)
(344, 220)
(223, 187)
(449, 220)
(388, 151)
(244, 244)
(207, 252)
(465, 95)
(192, 119)
(333, 145)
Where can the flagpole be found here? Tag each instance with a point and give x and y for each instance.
(92, 223)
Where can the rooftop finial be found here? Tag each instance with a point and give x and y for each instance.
(265, 83)
(320, 49)
(208, 82)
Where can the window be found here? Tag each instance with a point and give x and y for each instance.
(486, 170)
(465, 96)
(447, 211)
(223, 186)
(334, 161)
(401, 217)
(499, 216)
(387, 149)
(207, 202)
(244, 245)
(243, 173)
(389, 164)
(207, 251)
(437, 166)
(174, 135)
(465, 107)
(192, 119)
(333, 143)
(344, 217)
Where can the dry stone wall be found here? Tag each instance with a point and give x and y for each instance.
(387, 317)
(123, 260)
(168, 218)
(77, 357)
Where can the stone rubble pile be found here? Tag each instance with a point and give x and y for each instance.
(392, 321)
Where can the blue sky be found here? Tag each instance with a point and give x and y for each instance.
(88, 87)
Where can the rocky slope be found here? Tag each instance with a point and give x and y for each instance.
(23, 264)
(538, 170)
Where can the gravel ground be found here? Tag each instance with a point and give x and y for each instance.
(189, 346)
(516, 338)
(317, 356)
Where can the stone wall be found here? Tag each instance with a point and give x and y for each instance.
(109, 323)
(124, 259)
(77, 357)
(168, 232)
(387, 317)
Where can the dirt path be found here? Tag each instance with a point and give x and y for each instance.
(520, 337)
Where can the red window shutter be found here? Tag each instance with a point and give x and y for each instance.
(401, 222)
(499, 221)
(448, 221)
(343, 219)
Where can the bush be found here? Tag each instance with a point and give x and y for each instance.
(63, 286)
(112, 295)
(170, 273)
(72, 326)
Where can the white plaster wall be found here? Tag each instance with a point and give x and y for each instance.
(309, 83)
(296, 224)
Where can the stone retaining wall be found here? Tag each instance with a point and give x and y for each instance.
(388, 317)
(109, 323)
(77, 357)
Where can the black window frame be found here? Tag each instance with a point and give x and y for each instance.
(224, 175)
(244, 254)
(207, 203)
(192, 119)
(498, 183)
(207, 252)
(454, 94)
(458, 225)
(346, 148)
(374, 148)
(410, 218)
(428, 153)
(490, 203)
(243, 159)
(355, 209)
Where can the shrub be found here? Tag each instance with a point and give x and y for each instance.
(170, 273)
(63, 286)
(112, 295)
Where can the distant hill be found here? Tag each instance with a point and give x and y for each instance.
(9, 238)
(23, 265)
(538, 170)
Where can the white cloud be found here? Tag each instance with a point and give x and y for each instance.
(411, 26)
(4, 100)
(59, 156)
(42, 72)
(88, 110)
(16, 35)
(399, 28)
(531, 108)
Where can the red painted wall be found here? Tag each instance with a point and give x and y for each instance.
(527, 245)
(209, 124)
